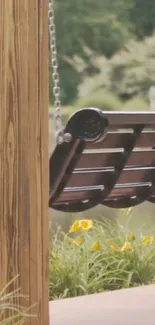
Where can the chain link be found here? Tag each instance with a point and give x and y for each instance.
(55, 74)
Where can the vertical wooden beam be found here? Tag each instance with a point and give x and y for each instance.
(24, 192)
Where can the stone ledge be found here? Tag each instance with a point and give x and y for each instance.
(134, 306)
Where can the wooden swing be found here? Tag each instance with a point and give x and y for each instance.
(101, 157)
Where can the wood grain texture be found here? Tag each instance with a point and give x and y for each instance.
(24, 227)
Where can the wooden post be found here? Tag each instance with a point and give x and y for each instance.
(24, 227)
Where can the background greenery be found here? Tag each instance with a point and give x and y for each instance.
(120, 32)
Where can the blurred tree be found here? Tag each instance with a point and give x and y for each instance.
(133, 69)
(142, 16)
(84, 27)
(129, 73)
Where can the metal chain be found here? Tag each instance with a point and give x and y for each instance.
(55, 74)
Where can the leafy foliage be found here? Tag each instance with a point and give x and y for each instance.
(142, 15)
(129, 73)
(98, 259)
(103, 100)
(133, 69)
(85, 28)
(135, 104)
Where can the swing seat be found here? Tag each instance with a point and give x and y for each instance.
(110, 161)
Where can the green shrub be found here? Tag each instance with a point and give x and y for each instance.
(99, 258)
(133, 69)
(128, 73)
(104, 101)
(136, 104)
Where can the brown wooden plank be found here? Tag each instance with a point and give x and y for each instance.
(128, 191)
(76, 196)
(142, 158)
(136, 176)
(86, 195)
(98, 160)
(122, 140)
(106, 177)
(24, 222)
(127, 119)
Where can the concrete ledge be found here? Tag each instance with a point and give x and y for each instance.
(123, 307)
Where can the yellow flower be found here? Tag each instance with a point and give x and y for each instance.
(96, 246)
(125, 248)
(81, 225)
(148, 240)
(132, 237)
(126, 211)
(79, 240)
(75, 227)
(86, 224)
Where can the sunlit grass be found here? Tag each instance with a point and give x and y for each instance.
(98, 258)
(11, 311)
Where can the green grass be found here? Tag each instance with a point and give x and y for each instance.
(11, 311)
(115, 262)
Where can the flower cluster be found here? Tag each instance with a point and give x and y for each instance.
(81, 225)
(85, 225)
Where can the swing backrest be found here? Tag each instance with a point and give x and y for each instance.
(110, 161)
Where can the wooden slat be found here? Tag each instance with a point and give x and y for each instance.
(107, 177)
(98, 160)
(136, 176)
(123, 139)
(81, 196)
(127, 119)
(128, 191)
(77, 195)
